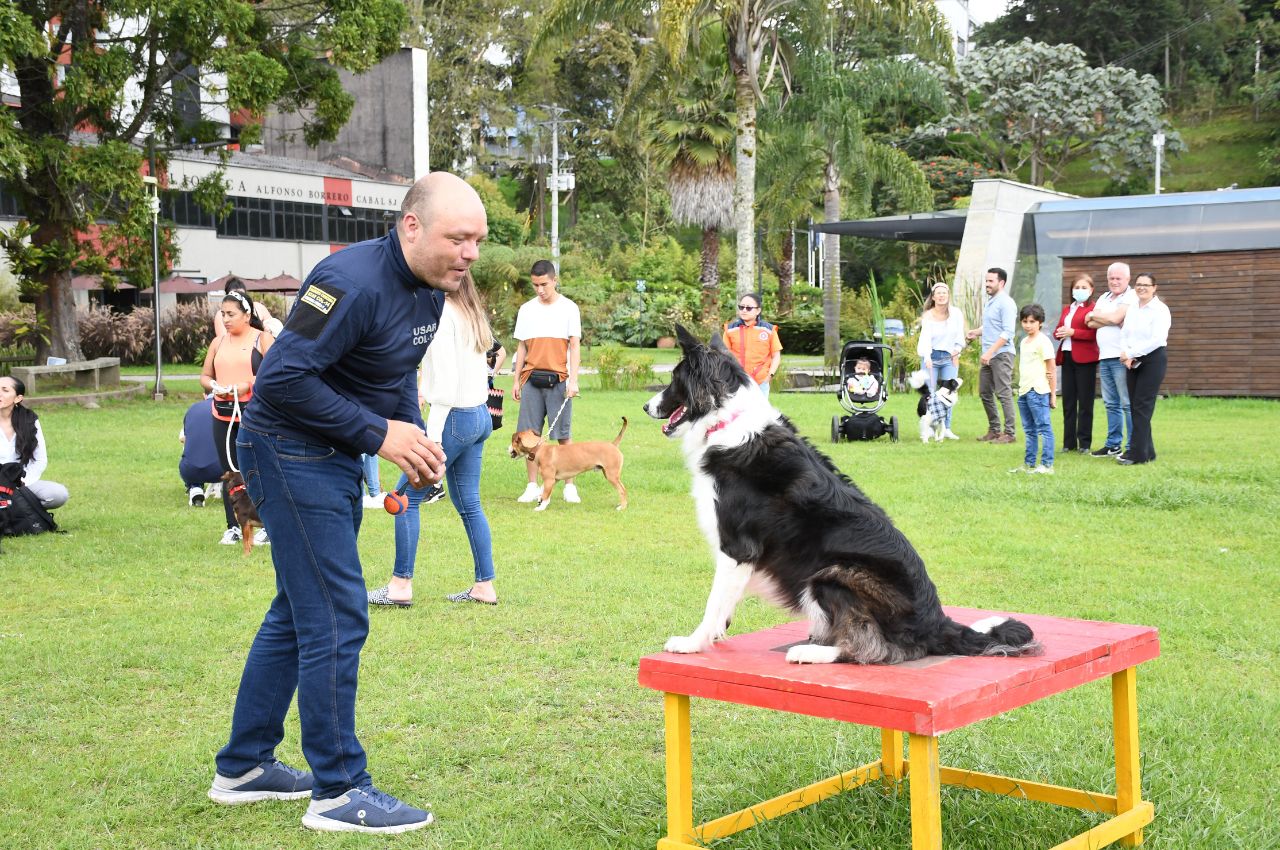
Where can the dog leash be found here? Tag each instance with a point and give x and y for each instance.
(553, 422)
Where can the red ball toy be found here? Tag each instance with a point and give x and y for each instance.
(395, 503)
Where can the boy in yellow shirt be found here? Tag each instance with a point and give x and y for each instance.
(1036, 384)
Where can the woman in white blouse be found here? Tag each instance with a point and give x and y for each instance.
(1143, 339)
(455, 382)
(941, 341)
(22, 441)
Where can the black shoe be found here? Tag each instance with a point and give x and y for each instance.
(1128, 461)
(1084, 450)
(435, 494)
(1106, 451)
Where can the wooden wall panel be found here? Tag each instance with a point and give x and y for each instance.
(1225, 339)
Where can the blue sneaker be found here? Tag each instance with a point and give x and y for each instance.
(271, 780)
(364, 810)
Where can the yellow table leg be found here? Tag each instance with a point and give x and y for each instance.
(926, 797)
(1124, 710)
(891, 755)
(679, 769)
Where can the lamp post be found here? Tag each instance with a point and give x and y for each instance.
(153, 200)
(1158, 141)
(556, 120)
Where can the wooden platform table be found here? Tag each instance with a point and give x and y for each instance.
(920, 700)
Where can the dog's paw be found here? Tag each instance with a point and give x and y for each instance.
(685, 645)
(812, 653)
(621, 508)
(542, 506)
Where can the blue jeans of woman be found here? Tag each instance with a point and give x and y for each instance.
(1033, 408)
(308, 495)
(941, 368)
(372, 481)
(465, 431)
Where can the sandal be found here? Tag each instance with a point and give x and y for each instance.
(465, 596)
(382, 596)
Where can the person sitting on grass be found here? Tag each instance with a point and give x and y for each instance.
(22, 441)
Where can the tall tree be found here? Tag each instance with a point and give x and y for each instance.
(1043, 106)
(693, 118)
(96, 77)
(834, 104)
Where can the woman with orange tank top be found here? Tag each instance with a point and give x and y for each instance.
(228, 373)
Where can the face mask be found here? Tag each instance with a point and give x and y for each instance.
(1080, 295)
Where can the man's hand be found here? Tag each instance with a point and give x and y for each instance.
(407, 446)
(515, 387)
(973, 333)
(570, 388)
(986, 359)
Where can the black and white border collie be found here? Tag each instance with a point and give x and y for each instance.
(784, 523)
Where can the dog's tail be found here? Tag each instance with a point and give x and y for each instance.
(992, 636)
(618, 439)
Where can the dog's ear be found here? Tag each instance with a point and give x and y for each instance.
(716, 343)
(687, 340)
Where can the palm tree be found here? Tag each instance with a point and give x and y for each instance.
(791, 172)
(834, 104)
(693, 136)
(756, 50)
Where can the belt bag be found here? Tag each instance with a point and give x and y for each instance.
(542, 379)
(225, 409)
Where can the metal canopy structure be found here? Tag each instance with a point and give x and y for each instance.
(936, 228)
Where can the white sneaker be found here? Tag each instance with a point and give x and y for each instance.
(1044, 470)
(375, 501)
(195, 497)
(531, 493)
(947, 433)
(571, 493)
(231, 537)
(260, 538)
(1022, 469)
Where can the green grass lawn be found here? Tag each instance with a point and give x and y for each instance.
(523, 727)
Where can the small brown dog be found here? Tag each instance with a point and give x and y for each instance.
(557, 462)
(242, 506)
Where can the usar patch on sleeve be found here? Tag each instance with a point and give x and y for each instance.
(310, 315)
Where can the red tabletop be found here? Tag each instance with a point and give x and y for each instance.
(927, 697)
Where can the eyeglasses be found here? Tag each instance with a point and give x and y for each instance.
(747, 307)
(1144, 286)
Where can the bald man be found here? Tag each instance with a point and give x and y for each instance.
(339, 381)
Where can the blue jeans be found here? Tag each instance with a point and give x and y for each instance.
(308, 496)
(1033, 408)
(1115, 398)
(465, 431)
(372, 481)
(941, 368)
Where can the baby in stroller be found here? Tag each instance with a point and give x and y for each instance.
(862, 385)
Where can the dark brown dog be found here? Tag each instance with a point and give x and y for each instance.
(557, 462)
(242, 506)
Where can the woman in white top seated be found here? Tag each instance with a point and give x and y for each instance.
(455, 382)
(941, 341)
(22, 441)
(1143, 339)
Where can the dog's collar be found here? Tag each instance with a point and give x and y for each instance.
(722, 424)
(236, 489)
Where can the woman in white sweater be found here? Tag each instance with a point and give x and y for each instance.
(22, 441)
(941, 341)
(455, 382)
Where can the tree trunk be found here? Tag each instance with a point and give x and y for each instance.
(786, 272)
(744, 187)
(56, 306)
(831, 270)
(710, 277)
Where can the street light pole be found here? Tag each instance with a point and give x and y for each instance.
(555, 122)
(1158, 141)
(153, 183)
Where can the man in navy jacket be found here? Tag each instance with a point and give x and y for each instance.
(339, 381)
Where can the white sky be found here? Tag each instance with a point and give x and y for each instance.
(987, 10)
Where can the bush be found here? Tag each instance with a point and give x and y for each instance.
(952, 179)
(17, 327)
(184, 333)
(621, 370)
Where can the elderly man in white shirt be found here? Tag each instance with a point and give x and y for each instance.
(1143, 340)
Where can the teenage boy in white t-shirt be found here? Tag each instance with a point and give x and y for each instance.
(549, 330)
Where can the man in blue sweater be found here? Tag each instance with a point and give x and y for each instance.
(339, 381)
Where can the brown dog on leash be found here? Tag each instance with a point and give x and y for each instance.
(558, 462)
(242, 506)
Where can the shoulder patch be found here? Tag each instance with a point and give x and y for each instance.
(310, 315)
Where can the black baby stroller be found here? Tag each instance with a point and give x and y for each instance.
(863, 396)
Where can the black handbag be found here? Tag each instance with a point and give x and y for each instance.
(543, 379)
(495, 404)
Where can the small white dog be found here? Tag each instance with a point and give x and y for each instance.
(933, 406)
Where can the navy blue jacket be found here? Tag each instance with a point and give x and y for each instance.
(346, 360)
(200, 463)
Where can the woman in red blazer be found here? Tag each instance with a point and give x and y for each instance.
(1078, 357)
